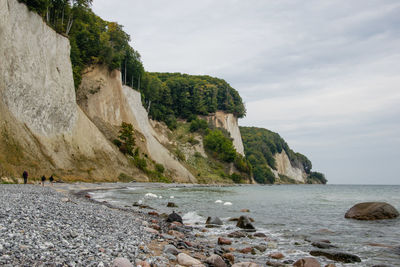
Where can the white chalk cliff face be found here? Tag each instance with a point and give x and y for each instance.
(284, 167)
(37, 94)
(229, 122)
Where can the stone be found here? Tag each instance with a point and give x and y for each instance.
(307, 262)
(176, 234)
(143, 264)
(244, 210)
(233, 219)
(372, 211)
(336, 256)
(322, 245)
(153, 213)
(151, 230)
(237, 234)
(246, 264)
(276, 255)
(171, 249)
(244, 223)
(229, 257)
(121, 262)
(216, 261)
(172, 205)
(156, 227)
(260, 248)
(259, 234)
(224, 241)
(186, 260)
(275, 264)
(246, 250)
(174, 217)
(214, 221)
(330, 265)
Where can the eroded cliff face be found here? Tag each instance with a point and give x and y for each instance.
(39, 114)
(229, 122)
(284, 167)
(108, 104)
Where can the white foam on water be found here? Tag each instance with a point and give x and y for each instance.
(160, 197)
(228, 203)
(192, 218)
(151, 195)
(131, 188)
(218, 201)
(171, 197)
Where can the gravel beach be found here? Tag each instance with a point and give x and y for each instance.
(42, 227)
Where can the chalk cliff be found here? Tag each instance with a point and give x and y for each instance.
(229, 122)
(285, 167)
(40, 118)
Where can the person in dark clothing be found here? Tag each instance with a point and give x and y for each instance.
(51, 179)
(25, 176)
(43, 180)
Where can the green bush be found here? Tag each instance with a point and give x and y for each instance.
(223, 147)
(237, 178)
(198, 125)
(159, 168)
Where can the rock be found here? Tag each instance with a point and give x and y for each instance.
(170, 249)
(260, 248)
(176, 234)
(172, 205)
(216, 261)
(237, 234)
(307, 262)
(276, 255)
(322, 245)
(155, 227)
(121, 262)
(260, 235)
(275, 264)
(372, 211)
(224, 241)
(336, 256)
(246, 264)
(244, 223)
(244, 210)
(186, 260)
(229, 257)
(174, 217)
(214, 221)
(246, 250)
(233, 219)
(143, 264)
(330, 265)
(153, 213)
(151, 230)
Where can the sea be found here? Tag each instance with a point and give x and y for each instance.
(292, 215)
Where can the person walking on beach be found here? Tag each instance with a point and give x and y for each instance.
(43, 180)
(51, 179)
(25, 176)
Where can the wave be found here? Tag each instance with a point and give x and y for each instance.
(192, 218)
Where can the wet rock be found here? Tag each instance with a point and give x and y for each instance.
(121, 262)
(246, 264)
(214, 221)
(307, 262)
(224, 241)
(246, 250)
(151, 230)
(186, 260)
(372, 211)
(336, 256)
(172, 205)
(170, 249)
(153, 213)
(233, 219)
(276, 256)
(330, 265)
(176, 234)
(219, 251)
(259, 234)
(237, 234)
(322, 245)
(244, 210)
(216, 261)
(244, 223)
(229, 257)
(382, 265)
(174, 217)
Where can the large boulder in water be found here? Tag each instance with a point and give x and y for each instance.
(372, 211)
(214, 221)
(244, 223)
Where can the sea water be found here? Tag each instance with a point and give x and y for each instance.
(288, 213)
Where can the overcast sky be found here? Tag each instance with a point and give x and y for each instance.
(325, 75)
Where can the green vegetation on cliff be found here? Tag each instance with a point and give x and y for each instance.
(174, 95)
(260, 146)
